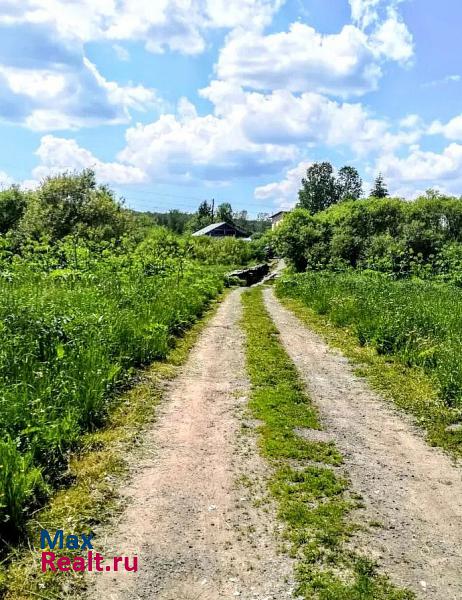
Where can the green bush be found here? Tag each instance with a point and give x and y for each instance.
(20, 481)
(224, 251)
(420, 238)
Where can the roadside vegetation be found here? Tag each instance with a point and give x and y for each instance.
(313, 501)
(94, 474)
(387, 271)
(403, 336)
(400, 238)
(87, 298)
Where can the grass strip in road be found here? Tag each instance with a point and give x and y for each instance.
(96, 474)
(313, 501)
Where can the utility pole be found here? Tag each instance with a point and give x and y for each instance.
(213, 208)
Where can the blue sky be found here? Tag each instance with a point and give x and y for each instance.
(233, 100)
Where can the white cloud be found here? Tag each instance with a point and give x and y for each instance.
(345, 64)
(411, 121)
(58, 154)
(364, 12)
(5, 180)
(451, 130)
(443, 81)
(306, 119)
(46, 83)
(421, 169)
(136, 97)
(284, 193)
(393, 39)
(301, 60)
(209, 148)
(178, 25)
(252, 134)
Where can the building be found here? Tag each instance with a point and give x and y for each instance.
(276, 219)
(221, 230)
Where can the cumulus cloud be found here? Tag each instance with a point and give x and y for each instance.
(285, 118)
(392, 39)
(284, 193)
(421, 169)
(59, 154)
(47, 83)
(252, 134)
(301, 59)
(186, 147)
(364, 12)
(178, 25)
(452, 130)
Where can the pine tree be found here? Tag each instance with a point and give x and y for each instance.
(380, 189)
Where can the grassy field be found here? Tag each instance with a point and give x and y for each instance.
(410, 333)
(313, 502)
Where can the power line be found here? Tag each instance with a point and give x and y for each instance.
(155, 195)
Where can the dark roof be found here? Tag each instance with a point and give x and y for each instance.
(280, 212)
(213, 226)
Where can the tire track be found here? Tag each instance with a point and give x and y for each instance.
(415, 491)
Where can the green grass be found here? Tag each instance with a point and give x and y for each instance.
(313, 501)
(405, 337)
(97, 471)
(70, 343)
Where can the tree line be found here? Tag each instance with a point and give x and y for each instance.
(73, 205)
(401, 238)
(206, 214)
(321, 188)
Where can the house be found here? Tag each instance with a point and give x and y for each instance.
(222, 229)
(276, 219)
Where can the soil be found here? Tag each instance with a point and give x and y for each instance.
(412, 490)
(198, 531)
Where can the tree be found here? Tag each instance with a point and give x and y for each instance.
(225, 212)
(176, 220)
(350, 185)
(296, 236)
(202, 218)
(74, 204)
(319, 188)
(205, 210)
(12, 207)
(380, 189)
(241, 219)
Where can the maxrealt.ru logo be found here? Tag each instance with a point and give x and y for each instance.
(87, 561)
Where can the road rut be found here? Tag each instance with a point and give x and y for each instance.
(415, 491)
(197, 534)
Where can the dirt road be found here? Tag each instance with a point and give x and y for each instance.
(412, 489)
(197, 533)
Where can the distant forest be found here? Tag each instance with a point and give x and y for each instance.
(186, 222)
